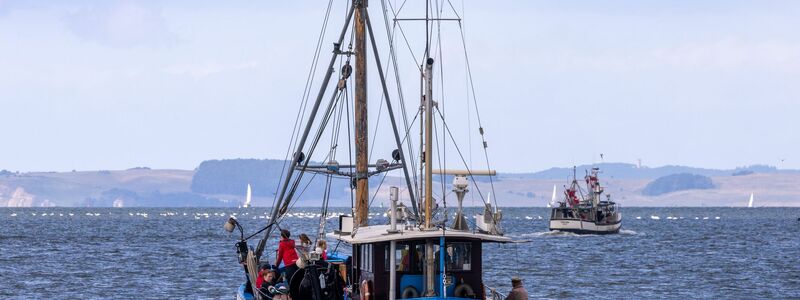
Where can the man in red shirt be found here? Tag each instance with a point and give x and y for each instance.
(287, 254)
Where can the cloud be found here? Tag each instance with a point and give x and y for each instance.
(121, 24)
(8, 6)
(713, 55)
(202, 70)
(730, 54)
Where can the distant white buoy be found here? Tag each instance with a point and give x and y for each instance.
(638, 218)
(655, 217)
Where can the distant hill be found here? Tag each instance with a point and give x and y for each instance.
(223, 183)
(677, 182)
(126, 198)
(231, 176)
(631, 171)
(133, 187)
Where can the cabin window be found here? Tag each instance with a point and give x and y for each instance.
(366, 257)
(420, 249)
(458, 257)
(402, 257)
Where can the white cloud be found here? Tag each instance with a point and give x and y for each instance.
(730, 54)
(202, 70)
(120, 24)
(719, 55)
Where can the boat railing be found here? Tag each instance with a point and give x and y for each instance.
(493, 294)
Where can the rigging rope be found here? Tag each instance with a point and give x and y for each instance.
(477, 111)
(391, 37)
(477, 187)
(304, 98)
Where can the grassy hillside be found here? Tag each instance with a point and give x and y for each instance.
(145, 187)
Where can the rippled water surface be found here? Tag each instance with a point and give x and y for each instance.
(159, 253)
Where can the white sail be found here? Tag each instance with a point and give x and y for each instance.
(249, 196)
(553, 198)
(750, 204)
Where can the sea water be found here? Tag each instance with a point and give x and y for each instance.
(159, 253)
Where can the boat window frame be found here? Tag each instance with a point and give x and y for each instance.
(398, 246)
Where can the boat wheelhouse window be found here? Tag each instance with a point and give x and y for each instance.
(420, 249)
(420, 255)
(402, 257)
(458, 256)
(366, 257)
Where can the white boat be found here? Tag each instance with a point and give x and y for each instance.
(586, 214)
(552, 198)
(750, 203)
(249, 196)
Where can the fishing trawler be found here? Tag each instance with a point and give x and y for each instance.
(423, 252)
(586, 213)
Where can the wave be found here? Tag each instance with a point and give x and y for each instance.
(551, 233)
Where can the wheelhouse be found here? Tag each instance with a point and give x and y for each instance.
(385, 263)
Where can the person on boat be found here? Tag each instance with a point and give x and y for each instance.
(405, 260)
(271, 288)
(322, 249)
(287, 254)
(518, 291)
(264, 269)
(266, 278)
(305, 243)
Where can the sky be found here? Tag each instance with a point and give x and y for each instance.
(104, 85)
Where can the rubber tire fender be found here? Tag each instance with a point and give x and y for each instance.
(464, 290)
(409, 292)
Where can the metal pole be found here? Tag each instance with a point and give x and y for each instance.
(301, 144)
(392, 269)
(442, 252)
(393, 216)
(393, 244)
(397, 139)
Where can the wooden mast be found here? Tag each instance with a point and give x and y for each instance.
(428, 141)
(361, 125)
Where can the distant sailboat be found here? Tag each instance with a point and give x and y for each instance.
(553, 198)
(750, 204)
(249, 196)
